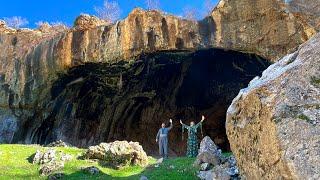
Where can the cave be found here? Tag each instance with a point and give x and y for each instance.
(128, 100)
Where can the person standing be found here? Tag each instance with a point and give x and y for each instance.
(162, 139)
(192, 143)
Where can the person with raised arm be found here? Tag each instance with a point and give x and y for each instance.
(162, 139)
(192, 142)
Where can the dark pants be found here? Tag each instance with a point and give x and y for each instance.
(163, 146)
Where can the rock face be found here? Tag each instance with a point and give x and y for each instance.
(118, 154)
(33, 59)
(265, 27)
(96, 103)
(274, 124)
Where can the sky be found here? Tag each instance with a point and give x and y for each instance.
(67, 10)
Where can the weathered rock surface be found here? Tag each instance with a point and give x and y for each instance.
(273, 125)
(96, 103)
(118, 154)
(208, 153)
(58, 143)
(50, 161)
(213, 165)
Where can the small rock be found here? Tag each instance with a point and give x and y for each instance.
(143, 177)
(156, 166)
(50, 167)
(58, 143)
(205, 175)
(159, 161)
(56, 176)
(207, 157)
(91, 170)
(171, 166)
(65, 157)
(205, 166)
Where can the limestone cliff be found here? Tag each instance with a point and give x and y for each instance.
(273, 125)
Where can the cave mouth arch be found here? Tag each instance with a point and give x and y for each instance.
(101, 102)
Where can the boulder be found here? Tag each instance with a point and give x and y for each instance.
(118, 154)
(208, 153)
(207, 145)
(50, 160)
(58, 143)
(273, 125)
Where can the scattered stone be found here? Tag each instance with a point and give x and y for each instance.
(65, 157)
(205, 166)
(207, 157)
(172, 167)
(56, 176)
(156, 165)
(118, 154)
(220, 172)
(159, 161)
(50, 161)
(58, 143)
(91, 170)
(143, 177)
(205, 175)
(48, 168)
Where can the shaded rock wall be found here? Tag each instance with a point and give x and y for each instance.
(99, 102)
(273, 125)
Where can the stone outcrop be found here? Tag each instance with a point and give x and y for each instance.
(31, 60)
(118, 154)
(50, 160)
(95, 103)
(273, 125)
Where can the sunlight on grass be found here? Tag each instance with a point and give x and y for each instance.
(17, 164)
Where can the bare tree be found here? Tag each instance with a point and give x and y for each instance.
(208, 7)
(152, 4)
(110, 11)
(16, 21)
(190, 13)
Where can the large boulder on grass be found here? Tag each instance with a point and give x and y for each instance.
(118, 154)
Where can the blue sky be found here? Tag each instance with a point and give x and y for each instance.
(67, 10)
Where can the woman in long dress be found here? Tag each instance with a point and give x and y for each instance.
(192, 143)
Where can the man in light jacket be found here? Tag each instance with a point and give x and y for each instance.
(162, 139)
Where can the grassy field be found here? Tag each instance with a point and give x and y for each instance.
(15, 163)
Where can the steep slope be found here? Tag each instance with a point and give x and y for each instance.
(274, 124)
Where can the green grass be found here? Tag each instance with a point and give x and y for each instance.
(15, 164)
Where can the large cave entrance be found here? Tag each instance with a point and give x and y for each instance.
(102, 102)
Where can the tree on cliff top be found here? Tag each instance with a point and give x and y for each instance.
(190, 13)
(152, 4)
(110, 11)
(16, 21)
